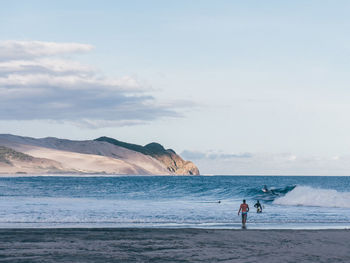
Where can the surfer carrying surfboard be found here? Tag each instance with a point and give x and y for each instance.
(258, 207)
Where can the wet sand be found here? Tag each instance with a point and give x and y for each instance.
(173, 245)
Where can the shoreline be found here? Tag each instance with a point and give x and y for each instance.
(114, 226)
(81, 174)
(173, 245)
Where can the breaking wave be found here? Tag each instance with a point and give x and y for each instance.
(308, 196)
(271, 194)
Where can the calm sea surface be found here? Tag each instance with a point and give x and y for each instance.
(174, 201)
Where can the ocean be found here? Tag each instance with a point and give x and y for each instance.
(295, 202)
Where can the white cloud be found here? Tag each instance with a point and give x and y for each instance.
(13, 49)
(95, 124)
(71, 81)
(214, 155)
(292, 158)
(36, 85)
(44, 65)
(269, 164)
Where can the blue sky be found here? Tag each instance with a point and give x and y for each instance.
(243, 87)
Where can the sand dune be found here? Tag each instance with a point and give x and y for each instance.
(12, 161)
(85, 156)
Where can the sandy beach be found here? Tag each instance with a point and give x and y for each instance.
(173, 245)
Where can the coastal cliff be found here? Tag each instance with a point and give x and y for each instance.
(52, 155)
(173, 162)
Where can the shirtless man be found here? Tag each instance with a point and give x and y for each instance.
(245, 209)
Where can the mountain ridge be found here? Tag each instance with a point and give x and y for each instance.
(168, 157)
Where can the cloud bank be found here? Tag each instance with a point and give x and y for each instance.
(37, 82)
(196, 155)
(268, 164)
(13, 49)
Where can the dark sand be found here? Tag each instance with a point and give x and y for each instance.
(173, 245)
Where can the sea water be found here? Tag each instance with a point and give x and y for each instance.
(297, 202)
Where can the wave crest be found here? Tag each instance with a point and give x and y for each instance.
(308, 196)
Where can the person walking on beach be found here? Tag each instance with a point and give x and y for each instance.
(245, 209)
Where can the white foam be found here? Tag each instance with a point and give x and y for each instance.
(308, 196)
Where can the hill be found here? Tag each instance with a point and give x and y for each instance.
(89, 156)
(12, 161)
(173, 162)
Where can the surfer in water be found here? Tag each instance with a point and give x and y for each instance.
(265, 190)
(258, 207)
(245, 209)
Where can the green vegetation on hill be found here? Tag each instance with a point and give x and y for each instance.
(130, 146)
(6, 154)
(149, 149)
(168, 157)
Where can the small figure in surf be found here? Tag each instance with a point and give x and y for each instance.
(258, 207)
(245, 209)
(266, 190)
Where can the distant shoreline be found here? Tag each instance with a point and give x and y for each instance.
(148, 175)
(89, 175)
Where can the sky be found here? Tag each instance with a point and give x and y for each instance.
(238, 87)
